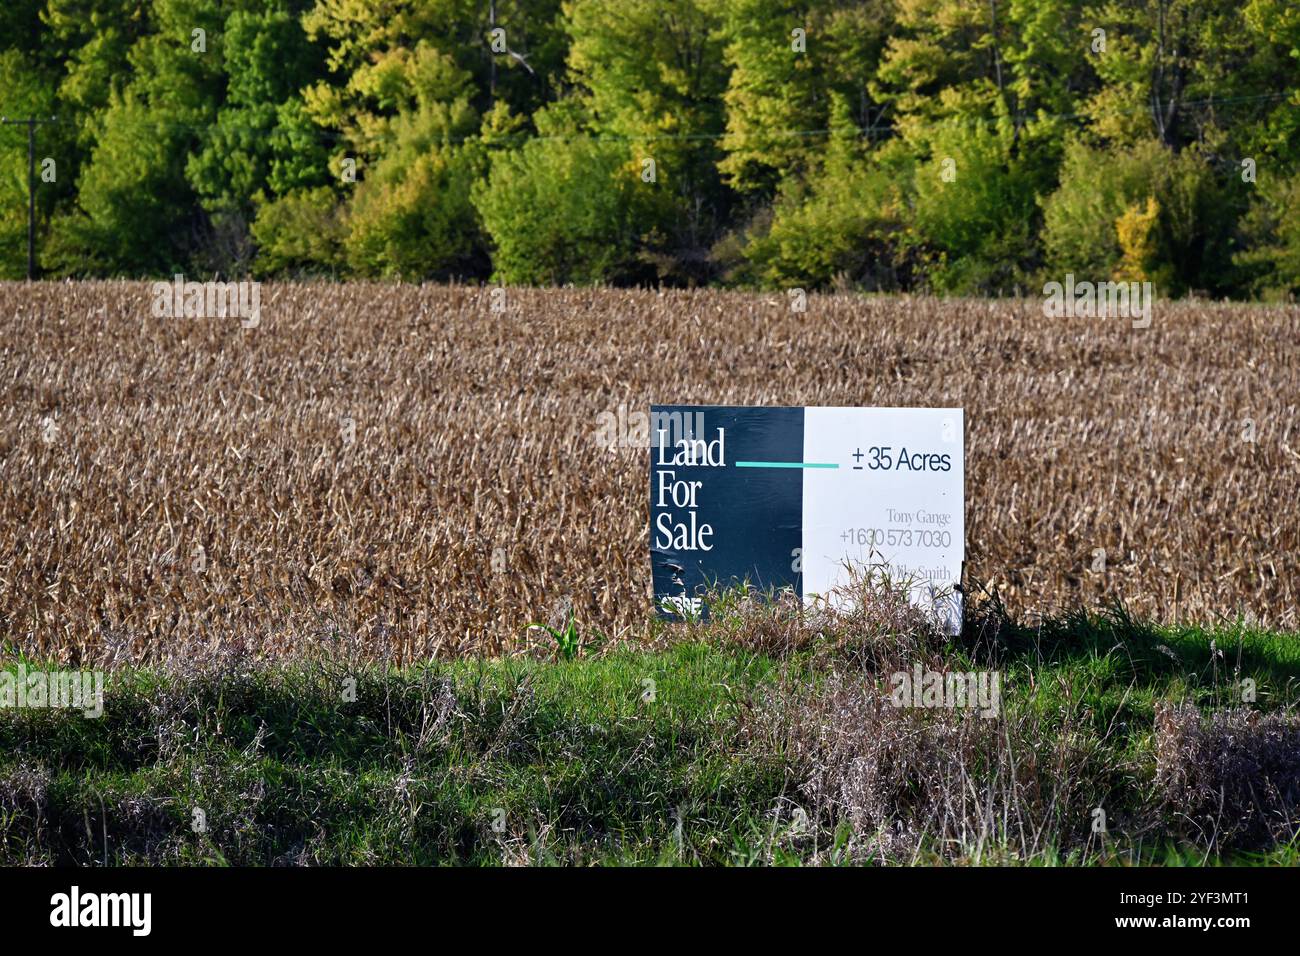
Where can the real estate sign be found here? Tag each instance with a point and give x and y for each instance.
(793, 497)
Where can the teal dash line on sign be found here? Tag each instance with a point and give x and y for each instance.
(786, 464)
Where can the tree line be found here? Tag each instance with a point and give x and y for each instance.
(948, 146)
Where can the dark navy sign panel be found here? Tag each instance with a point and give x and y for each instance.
(740, 522)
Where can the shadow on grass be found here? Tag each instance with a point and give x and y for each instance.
(1137, 651)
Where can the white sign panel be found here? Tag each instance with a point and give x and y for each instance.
(895, 496)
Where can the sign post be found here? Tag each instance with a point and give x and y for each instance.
(794, 497)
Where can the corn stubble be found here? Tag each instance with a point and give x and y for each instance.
(177, 487)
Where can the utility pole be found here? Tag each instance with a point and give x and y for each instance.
(31, 122)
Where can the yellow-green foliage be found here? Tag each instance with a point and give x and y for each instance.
(939, 145)
(1135, 231)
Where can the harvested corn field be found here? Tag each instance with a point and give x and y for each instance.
(422, 470)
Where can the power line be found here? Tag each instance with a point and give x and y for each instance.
(869, 132)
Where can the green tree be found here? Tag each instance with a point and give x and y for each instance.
(301, 232)
(650, 73)
(974, 211)
(841, 224)
(28, 90)
(778, 95)
(136, 212)
(1101, 186)
(564, 208)
(413, 215)
(132, 198)
(267, 60)
(1170, 70)
(94, 38)
(1269, 254)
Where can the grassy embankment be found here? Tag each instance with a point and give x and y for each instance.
(757, 738)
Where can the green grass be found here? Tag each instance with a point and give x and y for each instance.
(284, 768)
(628, 757)
(1115, 669)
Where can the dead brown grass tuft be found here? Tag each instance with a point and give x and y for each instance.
(866, 622)
(949, 783)
(1232, 777)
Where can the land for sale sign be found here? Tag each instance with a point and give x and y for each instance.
(799, 497)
